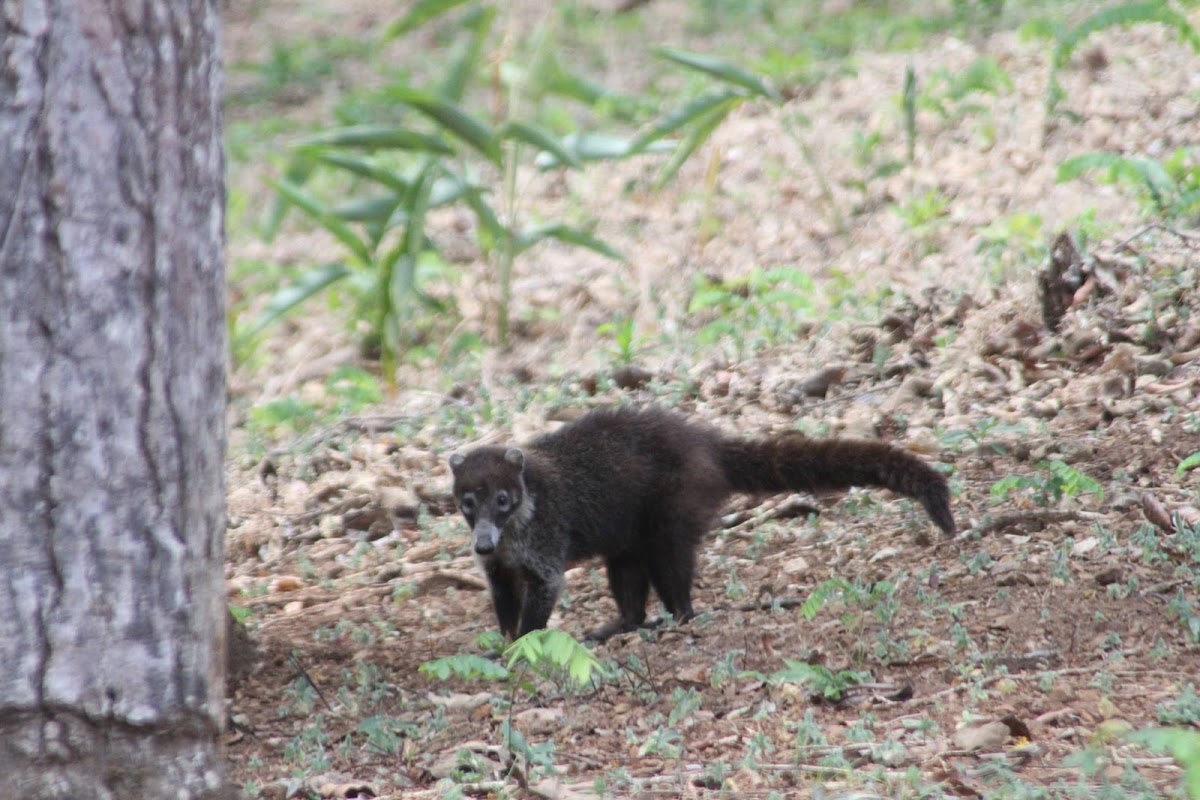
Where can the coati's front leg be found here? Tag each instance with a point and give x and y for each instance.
(506, 595)
(542, 588)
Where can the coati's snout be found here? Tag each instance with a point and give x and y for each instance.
(487, 537)
(489, 487)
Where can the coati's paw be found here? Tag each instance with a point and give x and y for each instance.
(606, 632)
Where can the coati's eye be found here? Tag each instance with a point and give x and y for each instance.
(467, 504)
(502, 500)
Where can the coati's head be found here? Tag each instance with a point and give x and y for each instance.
(489, 488)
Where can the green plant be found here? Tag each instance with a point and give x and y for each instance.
(761, 308)
(1060, 480)
(949, 92)
(552, 655)
(1188, 464)
(822, 680)
(1182, 745)
(625, 342)
(1183, 710)
(442, 154)
(1185, 609)
(1170, 188)
(923, 215)
(1067, 41)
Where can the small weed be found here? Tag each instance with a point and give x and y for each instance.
(924, 216)
(1060, 481)
(949, 93)
(760, 309)
(684, 703)
(662, 742)
(1183, 710)
(1185, 609)
(821, 680)
(625, 343)
(1169, 189)
(1067, 41)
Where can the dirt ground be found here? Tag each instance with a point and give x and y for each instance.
(1065, 617)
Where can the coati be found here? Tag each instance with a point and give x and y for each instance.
(640, 489)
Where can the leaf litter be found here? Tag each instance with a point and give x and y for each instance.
(1041, 631)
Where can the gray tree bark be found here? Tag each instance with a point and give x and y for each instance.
(112, 400)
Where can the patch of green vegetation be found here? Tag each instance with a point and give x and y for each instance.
(1057, 480)
(763, 308)
(924, 215)
(1167, 188)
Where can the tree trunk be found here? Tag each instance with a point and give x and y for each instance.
(112, 400)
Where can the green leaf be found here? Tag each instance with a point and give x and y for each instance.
(377, 210)
(1188, 464)
(696, 137)
(1180, 744)
(693, 111)
(291, 296)
(298, 171)
(377, 137)
(542, 140)
(722, 70)
(422, 12)
(364, 168)
(452, 119)
(568, 235)
(325, 218)
(466, 666)
(1125, 15)
(465, 59)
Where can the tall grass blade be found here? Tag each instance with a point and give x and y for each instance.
(465, 60)
(723, 71)
(685, 116)
(540, 139)
(452, 119)
(1125, 15)
(377, 137)
(422, 12)
(696, 137)
(364, 168)
(325, 218)
(568, 235)
(298, 171)
(291, 296)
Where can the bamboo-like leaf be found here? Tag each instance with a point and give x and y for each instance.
(466, 56)
(453, 119)
(567, 234)
(486, 216)
(685, 116)
(376, 210)
(722, 70)
(422, 12)
(1125, 15)
(298, 171)
(599, 147)
(696, 137)
(325, 218)
(543, 140)
(364, 168)
(377, 137)
(291, 296)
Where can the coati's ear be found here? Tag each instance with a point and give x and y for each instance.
(456, 461)
(515, 457)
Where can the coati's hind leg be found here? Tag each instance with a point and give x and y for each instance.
(673, 568)
(630, 586)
